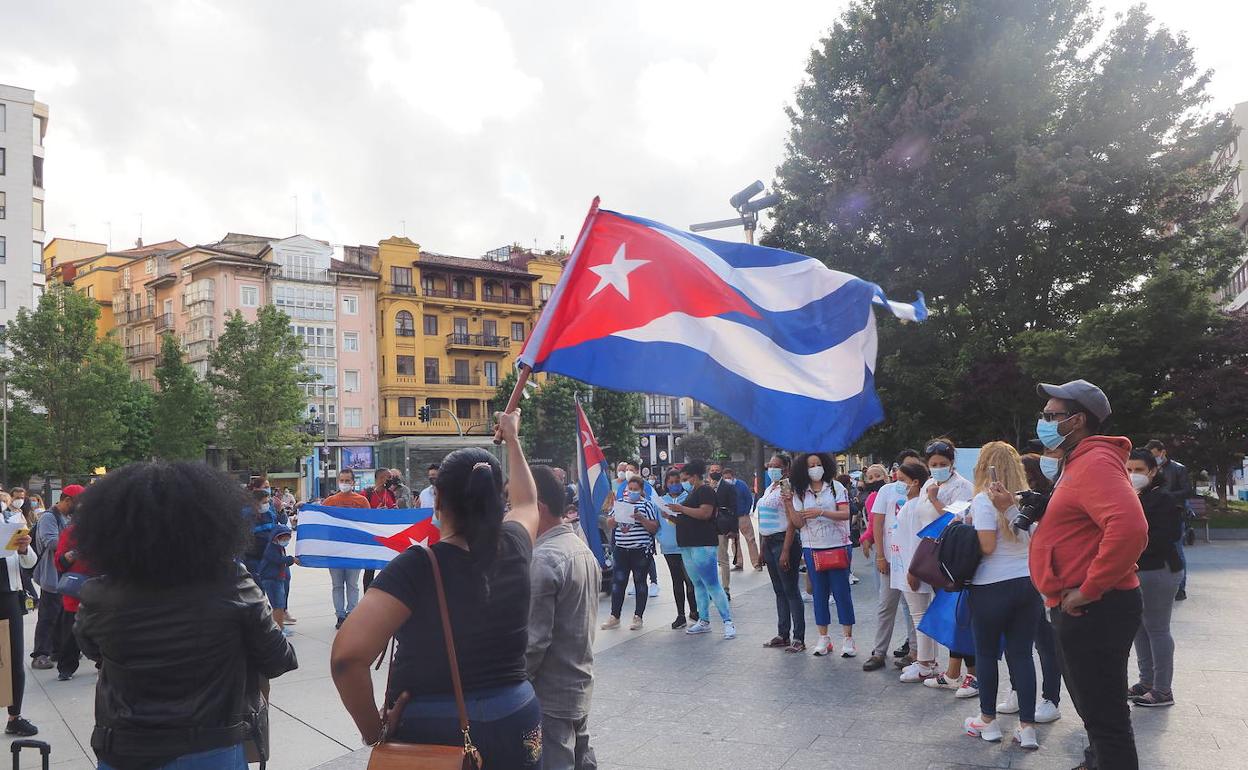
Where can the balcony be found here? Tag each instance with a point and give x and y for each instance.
(401, 288)
(503, 299)
(166, 273)
(438, 426)
(141, 351)
(466, 296)
(662, 421)
(455, 379)
(489, 342)
(195, 297)
(144, 313)
(198, 351)
(164, 322)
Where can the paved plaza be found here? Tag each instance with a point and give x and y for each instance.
(666, 700)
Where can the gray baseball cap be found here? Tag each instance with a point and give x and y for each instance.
(1083, 393)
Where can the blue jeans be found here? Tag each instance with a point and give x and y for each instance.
(834, 583)
(228, 758)
(505, 724)
(629, 562)
(1183, 557)
(345, 590)
(789, 610)
(702, 565)
(275, 590)
(1011, 608)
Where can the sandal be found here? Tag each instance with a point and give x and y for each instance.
(798, 646)
(1136, 691)
(777, 641)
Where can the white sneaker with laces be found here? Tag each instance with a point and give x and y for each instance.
(654, 590)
(969, 688)
(1010, 705)
(699, 627)
(853, 579)
(1046, 712)
(807, 598)
(849, 648)
(941, 682)
(730, 630)
(821, 646)
(1025, 737)
(917, 672)
(988, 731)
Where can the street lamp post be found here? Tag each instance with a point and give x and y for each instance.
(747, 217)
(324, 429)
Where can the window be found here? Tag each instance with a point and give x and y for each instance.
(318, 341)
(461, 372)
(463, 408)
(3, 252)
(546, 290)
(353, 417)
(307, 303)
(351, 380)
(36, 258)
(36, 176)
(426, 284)
(302, 266)
(317, 377)
(1, 161)
(36, 294)
(149, 267)
(248, 296)
(461, 287)
(89, 291)
(431, 325)
(2, 206)
(431, 371)
(461, 326)
(401, 276)
(404, 325)
(407, 407)
(351, 342)
(404, 364)
(491, 373)
(4, 295)
(489, 329)
(3, 107)
(517, 331)
(351, 304)
(36, 214)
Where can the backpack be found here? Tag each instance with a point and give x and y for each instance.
(960, 554)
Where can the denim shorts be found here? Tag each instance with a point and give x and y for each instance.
(276, 591)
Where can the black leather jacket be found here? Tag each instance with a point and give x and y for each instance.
(176, 662)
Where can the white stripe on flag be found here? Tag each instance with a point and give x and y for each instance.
(372, 528)
(834, 374)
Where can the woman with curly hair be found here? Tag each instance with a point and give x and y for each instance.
(181, 634)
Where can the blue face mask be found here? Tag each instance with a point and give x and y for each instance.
(634, 497)
(687, 486)
(775, 474)
(1049, 466)
(941, 475)
(675, 489)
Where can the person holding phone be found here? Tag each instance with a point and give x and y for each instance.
(780, 548)
(682, 585)
(818, 508)
(631, 551)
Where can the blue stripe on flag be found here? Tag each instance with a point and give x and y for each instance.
(309, 532)
(341, 562)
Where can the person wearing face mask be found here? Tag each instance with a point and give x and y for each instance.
(873, 480)
(47, 534)
(1177, 482)
(631, 553)
(345, 583)
(780, 549)
(903, 540)
(1083, 561)
(884, 507)
(12, 608)
(1160, 569)
(725, 522)
(697, 537)
(649, 493)
(682, 585)
(429, 495)
(818, 507)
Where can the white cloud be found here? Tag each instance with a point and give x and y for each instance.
(452, 61)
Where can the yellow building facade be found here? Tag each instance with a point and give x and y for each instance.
(94, 272)
(450, 329)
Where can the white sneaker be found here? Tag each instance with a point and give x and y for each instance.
(1010, 705)
(1046, 712)
(989, 731)
(1025, 737)
(730, 630)
(941, 682)
(917, 672)
(853, 579)
(807, 598)
(821, 647)
(969, 687)
(699, 627)
(654, 590)
(849, 648)
(636, 624)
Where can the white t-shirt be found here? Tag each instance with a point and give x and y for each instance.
(887, 502)
(823, 532)
(913, 516)
(956, 490)
(1009, 560)
(428, 497)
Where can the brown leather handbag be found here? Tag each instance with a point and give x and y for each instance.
(394, 755)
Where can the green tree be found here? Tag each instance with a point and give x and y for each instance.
(614, 416)
(730, 438)
(135, 411)
(256, 378)
(1013, 162)
(694, 446)
(185, 420)
(25, 458)
(74, 380)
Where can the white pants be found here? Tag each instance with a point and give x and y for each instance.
(918, 604)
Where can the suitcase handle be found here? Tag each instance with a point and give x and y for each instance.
(44, 750)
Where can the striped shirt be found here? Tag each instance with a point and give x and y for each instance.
(772, 518)
(635, 536)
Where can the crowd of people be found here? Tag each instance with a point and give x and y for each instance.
(1077, 558)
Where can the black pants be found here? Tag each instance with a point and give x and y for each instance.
(50, 609)
(629, 562)
(1093, 650)
(1050, 672)
(682, 586)
(790, 612)
(70, 655)
(12, 607)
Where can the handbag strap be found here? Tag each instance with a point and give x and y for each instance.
(451, 657)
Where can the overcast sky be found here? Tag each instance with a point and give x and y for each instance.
(477, 123)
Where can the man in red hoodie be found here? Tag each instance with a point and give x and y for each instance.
(1083, 555)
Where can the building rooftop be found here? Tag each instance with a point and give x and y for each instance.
(481, 265)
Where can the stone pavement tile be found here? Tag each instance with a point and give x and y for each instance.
(296, 746)
(681, 754)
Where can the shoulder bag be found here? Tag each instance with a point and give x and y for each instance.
(394, 755)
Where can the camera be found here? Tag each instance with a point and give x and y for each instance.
(1031, 508)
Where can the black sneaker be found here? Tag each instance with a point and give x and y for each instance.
(22, 727)
(338, 625)
(64, 676)
(903, 650)
(1180, 596)
(679, 622)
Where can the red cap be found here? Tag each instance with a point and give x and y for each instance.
(73, 490)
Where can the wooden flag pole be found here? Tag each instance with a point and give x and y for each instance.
(522, 379)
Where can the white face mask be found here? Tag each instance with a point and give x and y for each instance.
(1139, 481)
(346, 488)
(816, 473)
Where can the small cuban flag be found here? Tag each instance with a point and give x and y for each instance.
(360, 538)
(775, 340)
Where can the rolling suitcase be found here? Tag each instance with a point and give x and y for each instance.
(44, 750)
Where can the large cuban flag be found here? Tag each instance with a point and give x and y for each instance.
(593, 483)
(360, 538)
(776, 340)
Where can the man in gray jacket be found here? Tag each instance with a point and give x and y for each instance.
(47, 532)
(562, 611)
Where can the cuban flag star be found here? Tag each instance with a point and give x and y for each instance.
(775, 340)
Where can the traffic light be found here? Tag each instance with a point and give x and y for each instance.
(424, 414)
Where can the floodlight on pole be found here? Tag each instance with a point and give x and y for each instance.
(740, 199)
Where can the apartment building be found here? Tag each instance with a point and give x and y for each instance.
(1234, 296)
(95, 272)
(23, 124)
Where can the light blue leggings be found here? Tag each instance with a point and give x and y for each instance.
(702, 566)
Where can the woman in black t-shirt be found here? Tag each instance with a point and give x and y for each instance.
(699, 543)
(484, 558)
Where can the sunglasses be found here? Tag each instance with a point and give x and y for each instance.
(937, 447)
